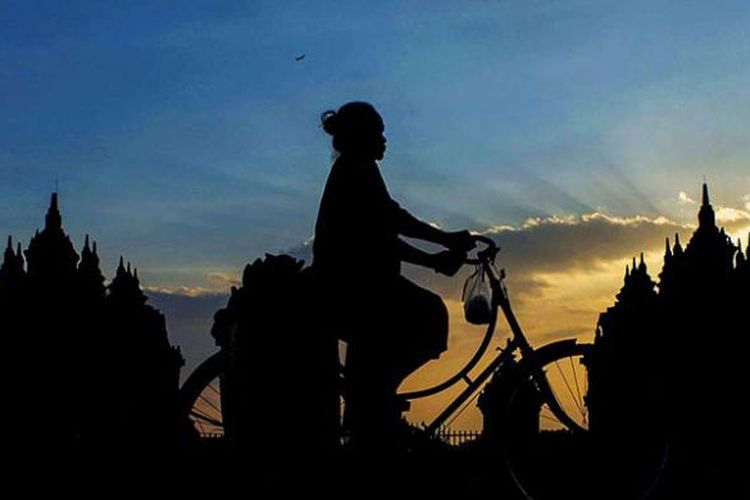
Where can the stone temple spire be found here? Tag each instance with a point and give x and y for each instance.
(120, 268)
(53, 220)
(10, 255)
(19, 254)
(89, 259)
(11, 269)
(90, 277)
(706, 215)
(677, 245)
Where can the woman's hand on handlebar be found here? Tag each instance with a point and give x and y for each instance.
(448, 262)
(486, 254)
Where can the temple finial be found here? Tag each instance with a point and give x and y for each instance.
(53, 219)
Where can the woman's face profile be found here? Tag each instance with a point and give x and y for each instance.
(376, 140)
(380, 142)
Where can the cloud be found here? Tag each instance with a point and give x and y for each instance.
(684, 199)
(732, 219)
(223, 280)
(182, 291)
(584, 243)
(216, 283)
(728, 215)
(746, 199)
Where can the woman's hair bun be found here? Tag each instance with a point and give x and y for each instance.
(328, 119)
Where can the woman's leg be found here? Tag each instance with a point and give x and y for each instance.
(398, 331)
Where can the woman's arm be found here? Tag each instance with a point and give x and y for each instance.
(446, 262)
(410, 226)
(414, 255)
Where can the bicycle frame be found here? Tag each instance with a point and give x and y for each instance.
(530, 357)
(518, 342)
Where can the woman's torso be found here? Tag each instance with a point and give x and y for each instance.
(355, 234)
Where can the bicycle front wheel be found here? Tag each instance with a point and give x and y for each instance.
(550, 450)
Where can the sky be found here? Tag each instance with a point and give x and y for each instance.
(185, 136)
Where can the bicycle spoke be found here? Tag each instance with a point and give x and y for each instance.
(551, 419)
(204, 410)
(567, 384)
(213, 389)
(575, 378)
(205, 418)
(209, 403)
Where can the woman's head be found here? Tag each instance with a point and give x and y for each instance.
(357, 130)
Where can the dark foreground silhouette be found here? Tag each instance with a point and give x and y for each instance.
(99, 385)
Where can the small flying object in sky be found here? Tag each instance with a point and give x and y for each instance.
(300, 57)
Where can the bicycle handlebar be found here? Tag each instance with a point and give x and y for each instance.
(487, 254)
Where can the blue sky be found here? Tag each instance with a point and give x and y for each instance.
(185, 136)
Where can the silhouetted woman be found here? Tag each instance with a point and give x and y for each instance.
(391, 325)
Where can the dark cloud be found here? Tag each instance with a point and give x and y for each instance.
(554, 244)
(564, 244)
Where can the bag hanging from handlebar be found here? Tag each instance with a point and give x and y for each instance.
(477, 298)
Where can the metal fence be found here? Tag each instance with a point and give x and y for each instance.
(457, 438)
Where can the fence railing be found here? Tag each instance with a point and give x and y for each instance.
(457, 438)
(448, 436)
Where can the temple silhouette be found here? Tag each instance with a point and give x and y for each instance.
(92, 367)
(668, 366)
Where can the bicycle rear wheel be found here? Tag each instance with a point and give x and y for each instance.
(201, 401)
(556, 454)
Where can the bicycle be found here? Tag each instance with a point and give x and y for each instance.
(544, 392)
